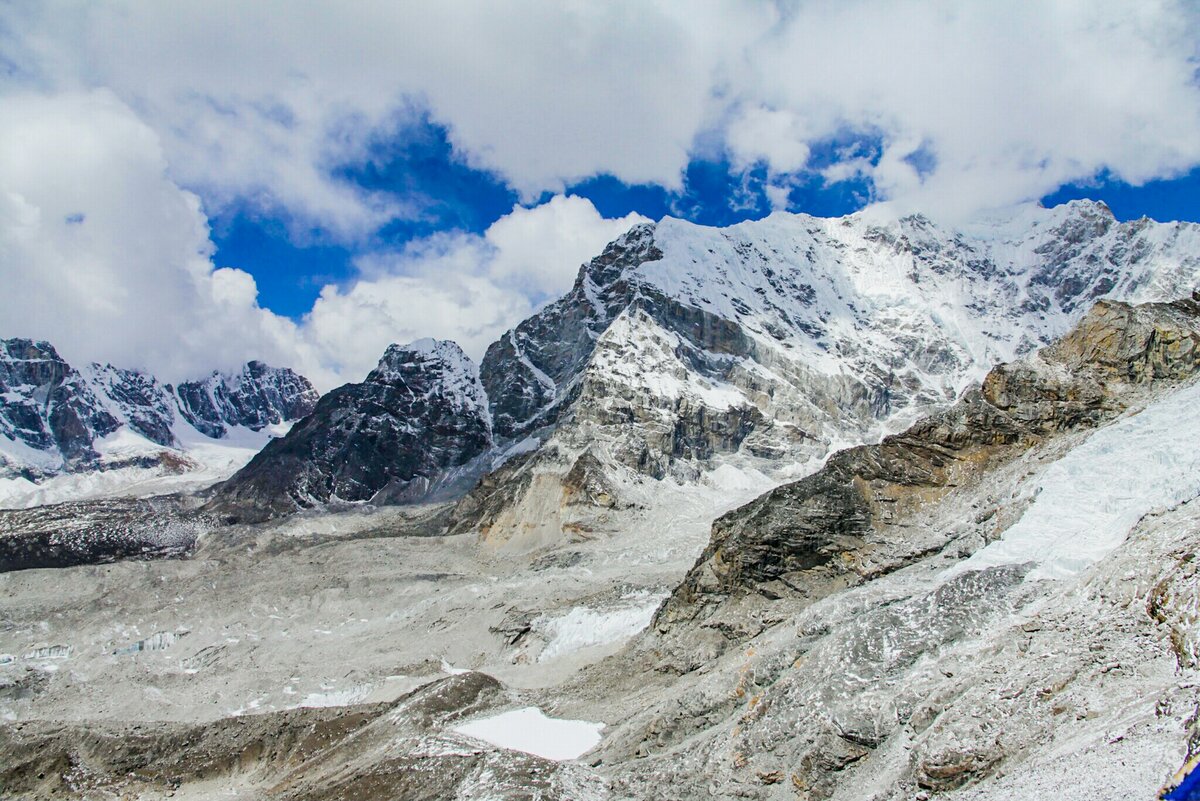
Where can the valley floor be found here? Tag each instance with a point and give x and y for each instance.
(350, 655)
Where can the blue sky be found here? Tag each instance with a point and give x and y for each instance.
(186, 186)
(291, 268)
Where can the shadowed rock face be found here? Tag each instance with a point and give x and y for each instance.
(259, 396)
(418, 414)
(47, 405)
(830, 528)
(96, 532)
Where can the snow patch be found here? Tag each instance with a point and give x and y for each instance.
(1090, 499)
(584, 627)
(530, 731)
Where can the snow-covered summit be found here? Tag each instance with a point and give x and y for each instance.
(766, 342)
(457, 375)
(56, 419)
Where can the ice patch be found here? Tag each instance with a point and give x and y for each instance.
(1091, 498)
(584, 627)
(351, 695)
(531, 731)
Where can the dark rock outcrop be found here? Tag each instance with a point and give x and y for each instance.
(419, 414)
(47, 405)
(97, 532)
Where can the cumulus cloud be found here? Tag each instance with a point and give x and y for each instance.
(104, 255)
(262, 101)
(465, 287)
(1009, 99)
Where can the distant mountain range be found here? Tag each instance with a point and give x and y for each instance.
(56, 419)
(681, 348)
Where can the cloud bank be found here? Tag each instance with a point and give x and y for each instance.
(115, 119)
(104, 255)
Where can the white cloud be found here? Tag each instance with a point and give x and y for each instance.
(776, 137)
(102, 254)
(1012, 99)
(258, 101)
(463, 287)
(107, 258)
(538, 251)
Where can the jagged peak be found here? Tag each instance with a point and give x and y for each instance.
(456, 374)
(446, 352)
(14, 344)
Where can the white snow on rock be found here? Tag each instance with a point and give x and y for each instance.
(1091, 498)
(584, 627)
(459, 375)
(203, 461)
(531, 731)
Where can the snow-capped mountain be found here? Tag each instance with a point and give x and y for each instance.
(56, 419)
(768, 342)
(996, 601)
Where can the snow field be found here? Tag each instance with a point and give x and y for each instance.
(529, 730)
(1091, 498)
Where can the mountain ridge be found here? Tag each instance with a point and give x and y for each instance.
(59, 420)
(767, 341)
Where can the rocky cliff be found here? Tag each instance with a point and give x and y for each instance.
(419, 414)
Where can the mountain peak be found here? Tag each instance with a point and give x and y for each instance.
(55, 418)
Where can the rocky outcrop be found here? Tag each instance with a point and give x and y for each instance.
(419, 415)
(529, 372)
(257, 397)
(850, 521)
(97, 532)
(48, 406)
(54, 416)
(844, 632)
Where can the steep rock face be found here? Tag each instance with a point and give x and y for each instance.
(48, 406)
(257, 397)
(420, 413)
(846, 522)
(55, 418)
(766, 343)
(532, 368)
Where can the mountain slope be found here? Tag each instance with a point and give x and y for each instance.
(768, 344)
(887, 626)
(894, 651)
(765, 345)
(57, 420)
(420, 413)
